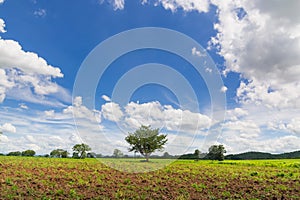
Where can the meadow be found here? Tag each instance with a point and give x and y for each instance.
(55, 178)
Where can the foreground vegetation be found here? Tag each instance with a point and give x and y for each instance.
(51, 178)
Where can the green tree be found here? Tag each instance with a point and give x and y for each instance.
(216, 152)
(80, 150)
(146, 141)
(59, 153)
(167, 155)
(197, 153)
(14, 153)
(117, 153)
(28, 153)
(91, 155)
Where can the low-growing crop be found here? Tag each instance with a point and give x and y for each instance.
(51, 178)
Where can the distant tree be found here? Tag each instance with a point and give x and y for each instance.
(197, 153)
(28, 153)
(75, 155)
(80, 150)
(166, 155)
(216, 152)
(14, 153)
(59, 153)
(146, 141)
(117, 153)
(99, 155)
(91, 155)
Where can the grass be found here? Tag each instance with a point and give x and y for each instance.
(50, 178)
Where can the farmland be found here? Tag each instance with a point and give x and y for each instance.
(50, 178)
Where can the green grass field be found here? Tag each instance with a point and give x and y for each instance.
(50, 178)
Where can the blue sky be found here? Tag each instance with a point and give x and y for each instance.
(255, 67)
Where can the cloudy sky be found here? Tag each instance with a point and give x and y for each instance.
(207, 72)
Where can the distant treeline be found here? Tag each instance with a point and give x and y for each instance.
(190, 156)
(261, 155)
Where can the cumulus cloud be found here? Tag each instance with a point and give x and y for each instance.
(112, 111)
(185, 5)
(8, 127)
(82, 112)
(12, 55)
(28, 77)
(265, 51)
(2, 26)
(133, 115)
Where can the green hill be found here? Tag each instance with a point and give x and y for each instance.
(261, 155)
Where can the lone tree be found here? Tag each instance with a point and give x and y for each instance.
(146, 141)
(216, 152)
(59, 153)
(117, 153)
(80, 150)
(197, 153)
(28, 153)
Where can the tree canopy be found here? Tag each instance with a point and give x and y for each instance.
(216, 152)
(59, 153)
(80, 150)
(28, 153)
(117, 153)
(146, 141)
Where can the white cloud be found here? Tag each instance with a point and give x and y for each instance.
(294, 125)
(245, 129)
(118, 4)
(3, 138)
(23, 106)
(195, 52)
(21, 71)
(48, 130)
(40, 12)
(105, 98)
(144, 2)
(2, 26)
(236, 114)
(173, 5)
(236, 144)
(185, 5)
(81, 112)
(265, 51)
(209, 70)
(1, 1)
(112, 111)
(156, 115)
(12, 56)
(8, 127)
(49, 113)
(284, 96)
(223, 89)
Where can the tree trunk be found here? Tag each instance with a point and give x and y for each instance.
(147, 157)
